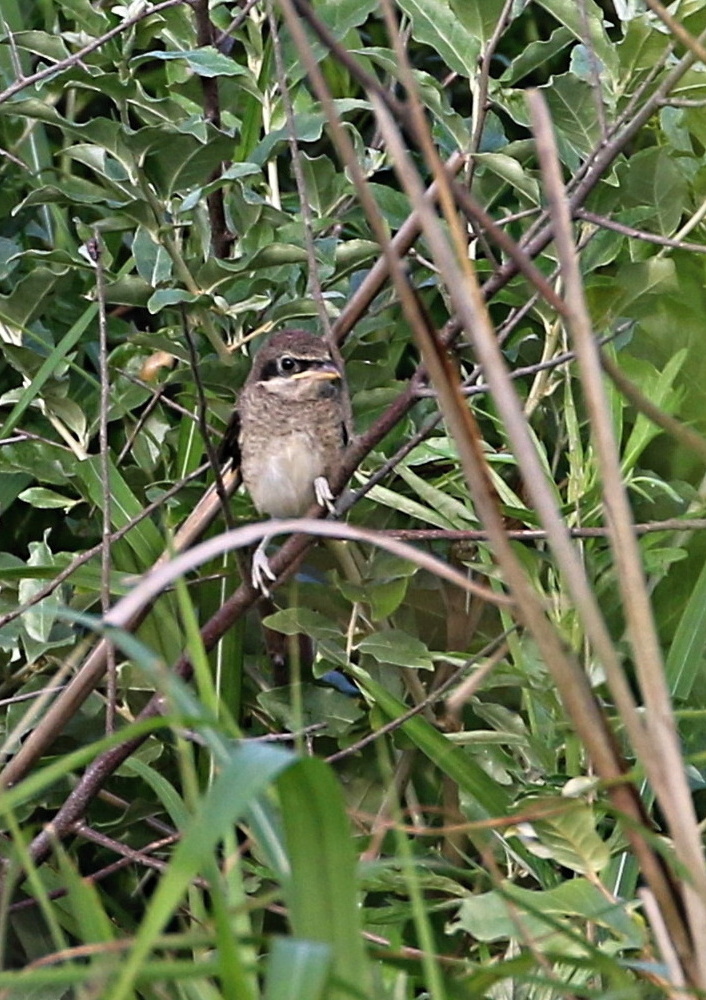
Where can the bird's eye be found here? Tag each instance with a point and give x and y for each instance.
(287, 365)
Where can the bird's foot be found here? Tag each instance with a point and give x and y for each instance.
(323, 494)
(261, 570)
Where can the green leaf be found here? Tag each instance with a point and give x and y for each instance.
(304, 621)
(536, 55)
(576, 19)
(383, 597)
(568, 835)
(458, 514)
(154, 265)
(512, 172)
(29, 296)
(163, 789)
(406, 505)
(632, 291)
(94, 924)
(659, 387)
(234, 172)
(513, 912)
(38, 620)
(91, 20)
(144, 538)
(396, 647)
(206, 61)
(42, 43)
(654, 179)
(572, 104)
(479, 17)
(342, 15)
(11, 486)
(68, 413)
(39, 496)
(308, 127)
(331, 710)
(165, 297)
(485, 796)
(434, 23)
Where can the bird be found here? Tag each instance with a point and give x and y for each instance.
(288, 432)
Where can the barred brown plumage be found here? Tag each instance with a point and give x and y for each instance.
(288, 430)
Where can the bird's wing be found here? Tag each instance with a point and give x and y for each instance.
(230, 444)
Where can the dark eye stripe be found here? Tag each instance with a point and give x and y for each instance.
(272, 370)
(269, 371)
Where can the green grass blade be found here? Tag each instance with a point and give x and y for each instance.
(684, 660)
(321, 892)
(490, 798)
(297, 970)
(244, 776)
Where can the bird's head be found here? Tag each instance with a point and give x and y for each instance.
(296, 366)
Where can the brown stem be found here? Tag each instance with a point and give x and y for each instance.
(221, 238)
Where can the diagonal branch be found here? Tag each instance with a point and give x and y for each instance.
(655, 739)
(97, 772)
(63, 64)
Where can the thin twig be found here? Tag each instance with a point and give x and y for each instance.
(201, 416)
(221, 238)
(538, 534)
(492, 652)
(153, 402)
(580, 702)
(223, 38)
(678, 31)
(637, 234)
(62, 64)
(654, 734)
(314, 281)
(89, 554)
(94, 249)
(594, 69)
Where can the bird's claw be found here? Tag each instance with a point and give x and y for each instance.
(323, 494)
(261, 570)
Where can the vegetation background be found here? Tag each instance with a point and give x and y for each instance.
(505, 798)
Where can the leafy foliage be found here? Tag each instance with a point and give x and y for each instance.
(174, 185)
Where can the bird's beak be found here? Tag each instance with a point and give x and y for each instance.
(325, 373)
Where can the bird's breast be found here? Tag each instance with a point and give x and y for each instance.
(280, 475)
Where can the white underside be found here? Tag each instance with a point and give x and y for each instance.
(283, 484)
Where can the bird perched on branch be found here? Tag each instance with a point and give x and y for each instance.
(288, 431)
